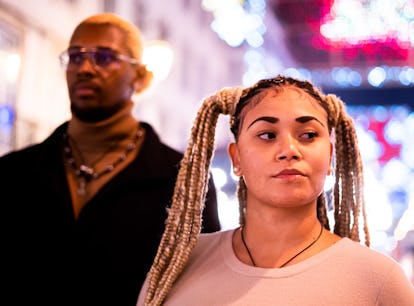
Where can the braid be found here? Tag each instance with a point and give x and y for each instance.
(342, 144)
(321, 211)
(348, 188)
(242, 197)
(183, 223)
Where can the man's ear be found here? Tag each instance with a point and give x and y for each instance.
(143, 79)
(136, 86)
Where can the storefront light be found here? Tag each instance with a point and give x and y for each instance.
(158, 57)
(10, 65)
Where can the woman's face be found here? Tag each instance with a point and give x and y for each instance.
(283, 150)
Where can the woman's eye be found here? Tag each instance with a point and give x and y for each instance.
(267, 135)
(309, 135)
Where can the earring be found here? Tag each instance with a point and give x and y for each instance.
(236, 170)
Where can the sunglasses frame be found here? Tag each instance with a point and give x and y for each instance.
(90, 53)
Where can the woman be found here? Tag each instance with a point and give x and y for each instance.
(287, 135)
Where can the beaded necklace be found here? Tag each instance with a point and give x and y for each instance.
(86, 173)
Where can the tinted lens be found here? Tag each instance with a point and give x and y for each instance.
(104, 58)
(75, 57)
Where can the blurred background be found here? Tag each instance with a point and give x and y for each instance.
(362, 50)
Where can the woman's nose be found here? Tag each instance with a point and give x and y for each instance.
(288, 149)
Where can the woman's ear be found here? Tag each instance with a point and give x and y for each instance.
(233, 152)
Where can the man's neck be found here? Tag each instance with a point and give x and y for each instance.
(99, 134)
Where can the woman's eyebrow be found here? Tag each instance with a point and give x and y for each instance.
(264, 118)
(305, 119)
(270, 119)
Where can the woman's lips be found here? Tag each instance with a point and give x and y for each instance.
(289, 173)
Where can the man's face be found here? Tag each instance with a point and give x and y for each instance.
(99, 89)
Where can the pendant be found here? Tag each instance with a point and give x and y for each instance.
(81, 187)
(86, 172)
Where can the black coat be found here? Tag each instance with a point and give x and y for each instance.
(49, 258)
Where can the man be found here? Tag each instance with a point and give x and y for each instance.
(84, 210)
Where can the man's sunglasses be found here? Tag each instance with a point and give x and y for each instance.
(104, 58)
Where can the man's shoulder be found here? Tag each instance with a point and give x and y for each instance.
(156, 144)
(32, 150)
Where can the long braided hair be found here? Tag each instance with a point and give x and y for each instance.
(184, 218)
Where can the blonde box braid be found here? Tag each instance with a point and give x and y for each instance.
(184, 219)
(348, 188)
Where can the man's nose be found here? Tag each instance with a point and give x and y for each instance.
(87, 63)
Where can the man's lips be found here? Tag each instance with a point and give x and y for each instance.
(84, 90)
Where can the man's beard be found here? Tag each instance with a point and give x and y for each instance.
(95, 114)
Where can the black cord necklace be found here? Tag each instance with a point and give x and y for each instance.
(290, 259)
(87, 173)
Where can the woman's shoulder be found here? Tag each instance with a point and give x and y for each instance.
(208, 241)
(214, 237)
(359, 252)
